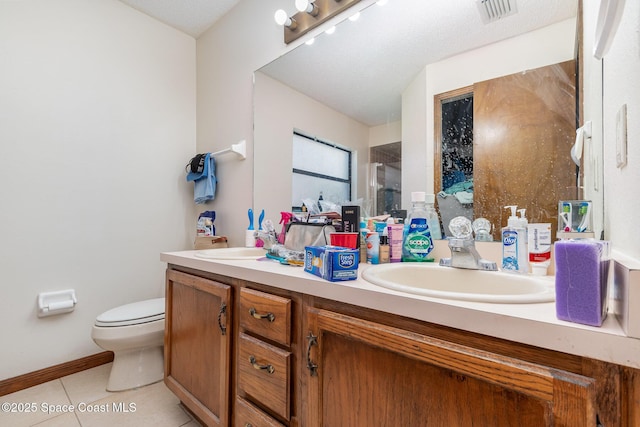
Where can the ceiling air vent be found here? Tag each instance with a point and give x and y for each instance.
(492, 10)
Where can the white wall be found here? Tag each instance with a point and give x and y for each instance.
(228, 54)
(97, 120)
(282, 110)
(385, 134)
(622, 86)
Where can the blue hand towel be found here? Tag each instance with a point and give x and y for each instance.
(204, 188)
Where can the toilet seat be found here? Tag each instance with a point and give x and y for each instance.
(133, 314)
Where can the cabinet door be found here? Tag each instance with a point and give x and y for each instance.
(197, 345)
(364, 373)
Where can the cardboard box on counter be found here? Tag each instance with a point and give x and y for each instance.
(333, 263)
(210, 242)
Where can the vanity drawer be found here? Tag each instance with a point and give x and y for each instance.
(247, 415)
(264, 374)
(266, 315)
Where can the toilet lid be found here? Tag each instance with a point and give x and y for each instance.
(133, 314)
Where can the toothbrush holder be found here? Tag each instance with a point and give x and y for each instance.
(575, 219)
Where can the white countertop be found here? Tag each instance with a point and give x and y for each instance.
(533, 324)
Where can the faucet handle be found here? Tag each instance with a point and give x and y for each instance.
(460, 227)
(482, 228)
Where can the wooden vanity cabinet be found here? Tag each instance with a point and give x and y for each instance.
(372, 374)
(290, 360)
(197, 345)
(371, 368)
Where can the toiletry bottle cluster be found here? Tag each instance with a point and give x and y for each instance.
(398, 239)
(525, 245)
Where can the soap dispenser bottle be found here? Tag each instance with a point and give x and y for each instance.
(514, 252)
(524, 222)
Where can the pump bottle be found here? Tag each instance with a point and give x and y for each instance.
(514, 250)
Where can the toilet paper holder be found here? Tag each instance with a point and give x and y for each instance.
(57, 302)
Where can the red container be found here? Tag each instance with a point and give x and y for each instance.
(346, 240)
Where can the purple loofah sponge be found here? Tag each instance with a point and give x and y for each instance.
(582, 270)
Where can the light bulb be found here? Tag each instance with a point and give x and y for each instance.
(280, 17)
(331, 30)
(302, 5)
(354, 17)
(310, 41)
(307, 6)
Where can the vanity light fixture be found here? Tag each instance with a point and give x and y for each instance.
(282, 19)
(311, 14)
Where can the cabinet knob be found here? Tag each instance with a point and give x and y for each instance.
(269, 316)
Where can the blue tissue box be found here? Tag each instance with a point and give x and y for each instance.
(333, 263)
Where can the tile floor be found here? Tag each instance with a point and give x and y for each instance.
(93, 406)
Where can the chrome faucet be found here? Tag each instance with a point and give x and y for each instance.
(268, 235)
(463, 249)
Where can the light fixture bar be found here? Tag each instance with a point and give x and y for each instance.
(306, 22)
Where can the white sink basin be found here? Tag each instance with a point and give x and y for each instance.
(231, 253)
(433, 280)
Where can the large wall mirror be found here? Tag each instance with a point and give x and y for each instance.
(374, 81)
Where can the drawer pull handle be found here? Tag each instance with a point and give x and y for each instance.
(223, 311)
(269, 316)
(311, 366)
(269, 368)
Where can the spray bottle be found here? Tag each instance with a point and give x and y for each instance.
(285, 218)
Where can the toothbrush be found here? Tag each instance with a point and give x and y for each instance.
(250, 212)
(566, 216)
(585, 211)
(260, 219)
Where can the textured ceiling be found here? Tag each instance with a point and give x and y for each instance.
(362, 69)
(190, 16)
(385, 48)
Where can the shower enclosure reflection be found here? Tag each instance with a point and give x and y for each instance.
(386, 177)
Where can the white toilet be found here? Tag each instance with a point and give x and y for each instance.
(135, 334)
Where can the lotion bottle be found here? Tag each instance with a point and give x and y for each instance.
(514, 252)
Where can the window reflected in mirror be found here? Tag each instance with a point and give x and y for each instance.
(321, 173)
(457, 143)
(454, 155)
(386, 177)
